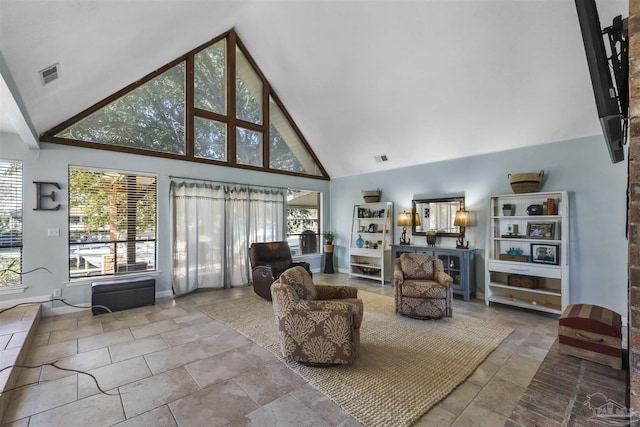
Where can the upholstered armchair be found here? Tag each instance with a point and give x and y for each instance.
(268, 261)
(423, 290)
(318, 324)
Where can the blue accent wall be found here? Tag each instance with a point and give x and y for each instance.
(597, 195)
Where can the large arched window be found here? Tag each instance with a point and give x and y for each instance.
(212, 105)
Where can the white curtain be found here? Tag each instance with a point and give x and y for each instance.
(236, 220)
(197, 238)
(266, 215)
(213, 227)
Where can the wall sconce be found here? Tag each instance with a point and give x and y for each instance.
(462, 220)
(404, 221)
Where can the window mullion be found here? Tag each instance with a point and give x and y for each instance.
(189, 107)
(231, 98)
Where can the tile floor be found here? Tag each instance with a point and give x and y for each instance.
(174, 366)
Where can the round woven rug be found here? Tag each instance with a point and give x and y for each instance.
(404, 367)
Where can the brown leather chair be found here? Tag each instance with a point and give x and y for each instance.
(423, 290)
(268, 261)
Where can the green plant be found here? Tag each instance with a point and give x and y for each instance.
(329, 236)
(507, 206)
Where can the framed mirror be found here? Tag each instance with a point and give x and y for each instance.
(436, 214)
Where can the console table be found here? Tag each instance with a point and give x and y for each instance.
(458, 263)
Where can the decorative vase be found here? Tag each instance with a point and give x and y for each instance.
(431, 239)
(360, 241)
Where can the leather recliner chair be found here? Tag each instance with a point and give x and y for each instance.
(268, 261)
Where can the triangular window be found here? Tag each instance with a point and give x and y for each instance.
(150, 117)
(183, 111)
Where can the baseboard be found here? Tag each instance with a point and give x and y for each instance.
(48, 309)
(37, 299)
(164, 294)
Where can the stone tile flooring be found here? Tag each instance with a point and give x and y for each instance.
(174, 366)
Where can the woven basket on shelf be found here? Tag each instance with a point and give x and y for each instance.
(525, 182)
(371, 196)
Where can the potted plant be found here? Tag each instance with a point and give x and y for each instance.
(507, 209)
(329, 237)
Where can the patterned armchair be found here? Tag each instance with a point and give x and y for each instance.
(268, 261)
(423, 289)
(318, 325)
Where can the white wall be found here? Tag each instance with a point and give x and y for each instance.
(597, 195)
(51, 164)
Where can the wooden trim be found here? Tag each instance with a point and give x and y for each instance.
(189, 119)
(149, 153)
(299, 133)
(231, 98)
(205, 114)
(191, 112)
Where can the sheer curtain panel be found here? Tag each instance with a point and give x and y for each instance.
(213, 227)
(198, 236)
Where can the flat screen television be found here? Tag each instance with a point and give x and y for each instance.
(609, 75)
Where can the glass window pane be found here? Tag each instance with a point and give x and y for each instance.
(248, 91)
(303, 221)
(249, 147)
(210, 139)
(112, 222)
(150, 117)
(10, 223)
(10, 266)
(287, 152)
(210, 87)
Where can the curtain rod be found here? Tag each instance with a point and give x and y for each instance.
(228, 182)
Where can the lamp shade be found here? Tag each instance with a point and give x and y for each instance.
(416, 220)
(404, 219)
(462, 218)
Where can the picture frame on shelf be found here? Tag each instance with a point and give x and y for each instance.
(372, 228)
(541, 230)
(543, 253)
(361, 229)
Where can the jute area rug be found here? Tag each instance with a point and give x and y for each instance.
(404, 366)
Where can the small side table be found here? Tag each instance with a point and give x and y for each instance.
(328, 262)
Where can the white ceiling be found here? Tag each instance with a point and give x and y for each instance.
(420, 81)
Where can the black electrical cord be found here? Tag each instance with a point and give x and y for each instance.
(11, 270)
(62, 369)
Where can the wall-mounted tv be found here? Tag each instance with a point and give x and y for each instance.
(609, 74)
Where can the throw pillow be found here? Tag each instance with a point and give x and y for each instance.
(301, 282)
(416, 266)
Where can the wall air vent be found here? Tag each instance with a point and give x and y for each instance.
(381, 158)
(49, 74)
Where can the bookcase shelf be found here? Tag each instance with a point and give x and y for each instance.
(538, 246)
(372, 223)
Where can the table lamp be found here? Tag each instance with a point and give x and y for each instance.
(462, 220)
(404, 221)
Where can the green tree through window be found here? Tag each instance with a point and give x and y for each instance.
(196, 109)
(150, 117)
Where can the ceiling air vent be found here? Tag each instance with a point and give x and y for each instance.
(49, 74)
(381, 158)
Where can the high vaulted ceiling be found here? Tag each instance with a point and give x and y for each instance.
(420, 81)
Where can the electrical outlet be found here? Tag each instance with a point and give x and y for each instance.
(53, 232)
(57, 293)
